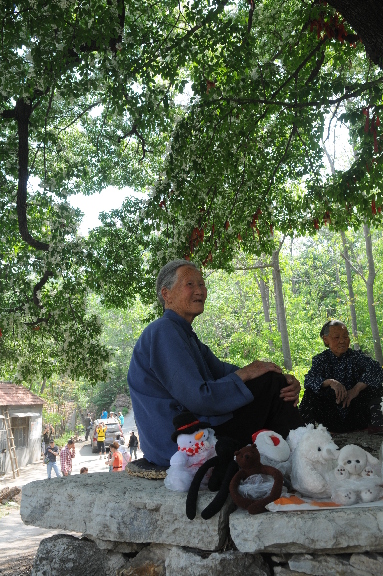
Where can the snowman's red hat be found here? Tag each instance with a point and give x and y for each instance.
(273, 437)
(187, 423)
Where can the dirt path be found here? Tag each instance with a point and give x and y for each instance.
(20, 542)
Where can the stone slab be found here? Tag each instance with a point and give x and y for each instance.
(326, 531)
(324, 564)
(231, 563)
(121, 508)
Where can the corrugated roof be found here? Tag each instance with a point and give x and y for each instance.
(14, 395)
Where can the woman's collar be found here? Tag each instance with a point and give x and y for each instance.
(177, 318)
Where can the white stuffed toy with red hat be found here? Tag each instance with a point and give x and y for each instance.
(196, 444)
(274, 450)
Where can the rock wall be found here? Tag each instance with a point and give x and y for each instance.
(137, 527)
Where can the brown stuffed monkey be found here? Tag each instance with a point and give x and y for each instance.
(248, 460)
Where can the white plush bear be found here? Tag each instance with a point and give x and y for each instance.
(314, 455)
(357, 476)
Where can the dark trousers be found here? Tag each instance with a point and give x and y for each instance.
(323, 409)
(267, 410)
(101, 446)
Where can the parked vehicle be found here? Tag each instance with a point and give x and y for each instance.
(112, 427)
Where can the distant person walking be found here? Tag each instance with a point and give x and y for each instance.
(101, 431)
(133, 444)
(48, 434)
(116, 460)
(66, 456)
(51, 454)
(104, 414)
(88, 424)
(121, 418)
(120, 439)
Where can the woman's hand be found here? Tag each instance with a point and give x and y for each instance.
(290, 393)
(339, 389)
(353, 393)
(257, 368)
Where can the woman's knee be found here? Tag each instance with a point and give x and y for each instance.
(271, 382)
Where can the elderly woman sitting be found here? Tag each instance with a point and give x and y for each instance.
(341, 384)
(171, 371)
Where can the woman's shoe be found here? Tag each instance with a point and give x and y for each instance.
(142, 468)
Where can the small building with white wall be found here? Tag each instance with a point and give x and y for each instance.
(25, 411)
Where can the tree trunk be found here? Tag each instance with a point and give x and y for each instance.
(43, 385)
(264, 290)
(366, 18)
(348, 270)
(350, 291)
(281, 312)
(370, 295)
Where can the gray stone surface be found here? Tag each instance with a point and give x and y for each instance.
(319, 565)
(370, 563)
(149, 562)
(280, 558)
(333, 531)
(180, 561)
(285, 571)
(123, 547)
(120, 508)
(62, 555)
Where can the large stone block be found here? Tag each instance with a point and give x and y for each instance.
(119, 508)
(332, 531)
(63, 554)
(371, 563)
(229, 563)
(323, 564)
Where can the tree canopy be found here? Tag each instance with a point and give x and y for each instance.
(90, 97)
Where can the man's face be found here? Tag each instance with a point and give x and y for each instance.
(188, 294)
(337, 340)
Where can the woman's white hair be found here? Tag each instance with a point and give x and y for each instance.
(168, 275)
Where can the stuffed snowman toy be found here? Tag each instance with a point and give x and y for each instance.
(196, 444)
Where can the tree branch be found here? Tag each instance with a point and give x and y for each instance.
(354, 268)
(256, 267)
(39, 285)
(23, 111)
(39, 320)
(135, 132)
(313, 104)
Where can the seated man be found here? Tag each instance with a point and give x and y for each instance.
(172, 371)
(341, 384)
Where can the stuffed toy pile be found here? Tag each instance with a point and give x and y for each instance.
(321, 470)
(273, 450)
(254, 474)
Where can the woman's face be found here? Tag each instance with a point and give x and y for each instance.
(337, 340)
(188, 294)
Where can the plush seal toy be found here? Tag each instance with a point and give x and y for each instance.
(249, 463)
